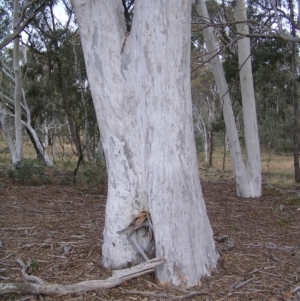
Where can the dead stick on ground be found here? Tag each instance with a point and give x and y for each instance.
(167, 296)
(25, 275)
(116, 279)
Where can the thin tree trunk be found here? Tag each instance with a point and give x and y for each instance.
(17, 93)
(211, 147)
(248, 178)
(72, 124)
(239, 167)
(38, 145)
(7, 134)
(248, 100)
(225, 150)
(38, 153)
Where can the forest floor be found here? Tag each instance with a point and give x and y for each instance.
(60, 229)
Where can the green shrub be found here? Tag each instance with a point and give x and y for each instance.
(96, 174)
(28, 172)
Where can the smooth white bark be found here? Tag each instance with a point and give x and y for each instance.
(248, 101)
(200, 127)
(141, 92)
(24, 106)
(215, 62)
(39, 145)
(247, 183)
(17, 94)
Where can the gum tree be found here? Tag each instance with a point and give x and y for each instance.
(247, 174)
(140, 83)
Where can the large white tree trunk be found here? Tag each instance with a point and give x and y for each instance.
(245, 185)
(248, 100)
(141, 92)
(17, 94)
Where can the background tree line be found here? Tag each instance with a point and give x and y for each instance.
(56, 102)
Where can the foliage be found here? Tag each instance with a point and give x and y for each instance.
(29, 172)
(272, 61)
(5, 17)
(57, 89)
(96, 175)
(233, 227)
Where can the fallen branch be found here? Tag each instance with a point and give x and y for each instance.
(25, 275)
(116, 279)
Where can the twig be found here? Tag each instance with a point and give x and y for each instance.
(18, 229)
(244, 283)
(240, 283)
(25, 275)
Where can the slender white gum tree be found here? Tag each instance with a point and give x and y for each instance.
(248, 184)
(17, 95)
(248, 101)
(26, 111)
(140, 85)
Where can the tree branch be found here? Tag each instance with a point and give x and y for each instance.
(18, 28)
(116, 279)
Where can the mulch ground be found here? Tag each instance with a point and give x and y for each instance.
(59, 228)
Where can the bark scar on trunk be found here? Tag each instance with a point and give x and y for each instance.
(142, 220)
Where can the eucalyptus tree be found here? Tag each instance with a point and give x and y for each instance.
(7, 109)
(18, 154)
(204, 92)
(55, 41)
(16, 21)
(280, 21)
(247, 174)
(10, 31)
(140, 83)
(248, 100)
(206, 110)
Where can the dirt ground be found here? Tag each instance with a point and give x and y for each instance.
(59, 228)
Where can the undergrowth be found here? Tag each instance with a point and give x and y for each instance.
(34, 172)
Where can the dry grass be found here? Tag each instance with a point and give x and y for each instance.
(63, 155)
(278, 171)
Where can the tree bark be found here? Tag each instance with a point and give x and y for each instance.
(17, 94)
(247, 184)
(214, 60)
(248, 101)
(141, 91)
(38, 145)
